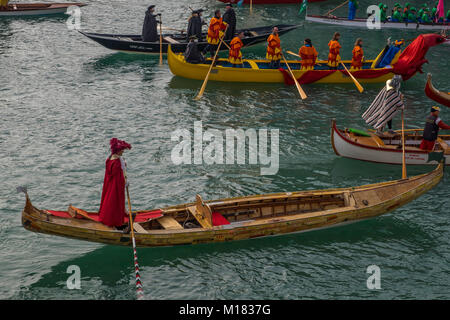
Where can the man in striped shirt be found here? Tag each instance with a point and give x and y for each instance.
(385, 105)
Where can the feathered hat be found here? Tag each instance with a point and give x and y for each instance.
(118, 145)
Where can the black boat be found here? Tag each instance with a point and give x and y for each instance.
(134, 44)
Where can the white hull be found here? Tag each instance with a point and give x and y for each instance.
(349, 149)
(32, 12)
(361, 23)
(37, 9)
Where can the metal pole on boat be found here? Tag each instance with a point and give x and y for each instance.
(139, 288)
(403, 143)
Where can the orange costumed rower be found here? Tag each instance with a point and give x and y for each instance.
(215, 32)
(235, 54)
(308, 54)
(112, 207)
(274, 49)
(333, 57)
(358, 55)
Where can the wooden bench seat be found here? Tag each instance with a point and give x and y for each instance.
(169, 223)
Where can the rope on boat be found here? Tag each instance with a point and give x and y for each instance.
(139, 287)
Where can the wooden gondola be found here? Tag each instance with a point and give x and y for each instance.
(436, 95)
(260, 71)
(133, 43)
(387, 148)
(37, 9)
(362, 23)
(238, 218)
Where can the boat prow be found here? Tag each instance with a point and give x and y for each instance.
(387, 148)
(37, 9)
(436, 95)
(238, 218)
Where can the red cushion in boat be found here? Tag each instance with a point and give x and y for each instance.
(218, 219)
(140, 217)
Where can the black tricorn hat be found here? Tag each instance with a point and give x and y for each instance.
(150, 7)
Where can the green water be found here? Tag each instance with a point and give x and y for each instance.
(63, 97)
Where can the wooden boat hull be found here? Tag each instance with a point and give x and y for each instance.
(336, 207)
(253, 73)
(37, 9)
(436, 95)
(361, 148)
(132, 43)
(361, 23)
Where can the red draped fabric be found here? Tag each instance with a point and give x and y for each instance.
(112, 207)
(413, 57)
(368, 74)
(307, 77)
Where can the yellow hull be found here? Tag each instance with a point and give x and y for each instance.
(179, 67)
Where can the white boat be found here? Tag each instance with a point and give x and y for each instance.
(362, 23)
(37, 9)
(388, 148)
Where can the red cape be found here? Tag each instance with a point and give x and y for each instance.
(112, 207)
(412, 59)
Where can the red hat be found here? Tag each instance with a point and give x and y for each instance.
(118, 145)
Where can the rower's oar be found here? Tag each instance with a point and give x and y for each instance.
(360, 88)
(139, 288)
(202, 89)
(160, 40)
(299, 88)
(292, 53)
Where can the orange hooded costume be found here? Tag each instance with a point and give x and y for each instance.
(273, 47)
(215, 30)
(235, 54)
(333, 56)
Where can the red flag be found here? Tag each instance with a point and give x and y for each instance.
(440, 10)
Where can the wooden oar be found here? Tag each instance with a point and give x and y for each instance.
(339, 6)
(160, 40)
(292, 53)
(139, 288)
(403, 143)
(299, 88)
(202, 89)
(360, 88)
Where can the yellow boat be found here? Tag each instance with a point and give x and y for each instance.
(259, 71)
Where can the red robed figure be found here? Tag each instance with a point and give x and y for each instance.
(112, 207)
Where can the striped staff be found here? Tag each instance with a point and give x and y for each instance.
(139, 287)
